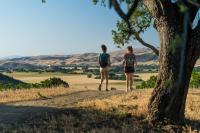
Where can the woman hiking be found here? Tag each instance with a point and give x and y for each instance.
(129, 63)
(104, 62)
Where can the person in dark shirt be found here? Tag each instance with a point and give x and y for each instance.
(129, 63)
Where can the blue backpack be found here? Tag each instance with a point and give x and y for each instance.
(103, 59)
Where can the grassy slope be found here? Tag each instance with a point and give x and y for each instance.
(4, 79)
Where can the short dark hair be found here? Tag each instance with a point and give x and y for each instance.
(130, 49)
(104, 48)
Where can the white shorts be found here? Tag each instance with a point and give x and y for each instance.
(105, 69)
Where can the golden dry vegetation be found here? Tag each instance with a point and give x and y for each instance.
(119, 113)
(135, 104)
(32, 94)
(123, 113)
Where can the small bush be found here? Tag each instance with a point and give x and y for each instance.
(89, 75)
(148, 84)
(52, 82)
(195, 80)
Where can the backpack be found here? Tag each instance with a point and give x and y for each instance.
(103, 59)
(129, 60)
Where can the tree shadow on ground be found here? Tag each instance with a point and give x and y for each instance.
(194, 124)
(46, 119)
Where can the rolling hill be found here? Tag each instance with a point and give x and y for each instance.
(143, 55)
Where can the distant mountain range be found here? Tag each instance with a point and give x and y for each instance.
(10, 57)
(144, 56)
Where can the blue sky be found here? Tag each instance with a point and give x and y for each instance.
(28, 27)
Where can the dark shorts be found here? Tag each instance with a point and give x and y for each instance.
(129, 69)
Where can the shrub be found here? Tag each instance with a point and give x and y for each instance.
(52, 82)
(148, 84)
(7, 83)
(112, 74)
(89, 75)
(195, 80)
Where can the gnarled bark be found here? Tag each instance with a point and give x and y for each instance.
(169, 96)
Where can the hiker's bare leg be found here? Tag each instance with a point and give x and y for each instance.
(102, 79)
(127, 81)
(131, 81)
(106, 76)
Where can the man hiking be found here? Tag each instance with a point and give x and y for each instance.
(104, 62)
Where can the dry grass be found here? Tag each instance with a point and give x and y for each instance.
(135, 104)
(193, 105)
(122, 113)
(32, 94)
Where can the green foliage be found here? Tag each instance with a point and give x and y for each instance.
(148, 84)
(183, 8)
(175, 44)
(195, 80)
(50, 83)
(7, 83)
(117, 77)
(140, 21)
(89, 75)
(168, 83)
(103, 2)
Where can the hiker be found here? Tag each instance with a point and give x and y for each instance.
(104, 62)
(129, 63)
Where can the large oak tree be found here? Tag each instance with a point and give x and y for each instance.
(178, 52)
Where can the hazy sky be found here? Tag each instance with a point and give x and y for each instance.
(28, 27)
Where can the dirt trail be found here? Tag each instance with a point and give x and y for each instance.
(20, 111)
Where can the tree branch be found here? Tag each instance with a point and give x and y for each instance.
(154, 49)
(121, 13)
(118, 9)
(197, 4)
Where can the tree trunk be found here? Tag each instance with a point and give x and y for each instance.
(168, 99)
